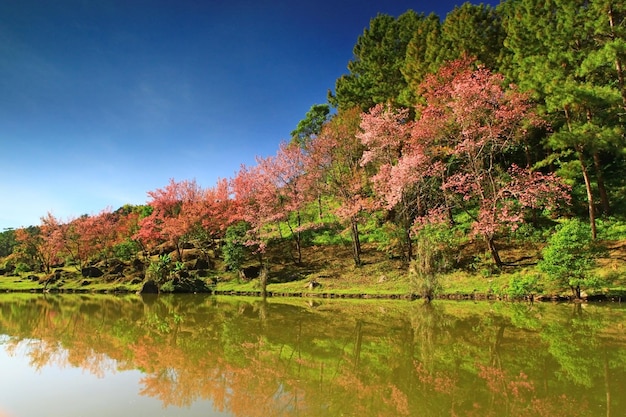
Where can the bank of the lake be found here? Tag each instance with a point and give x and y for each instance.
(327, 271)
(323, 274)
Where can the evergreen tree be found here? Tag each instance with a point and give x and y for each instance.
(376, 70)
(549, 43)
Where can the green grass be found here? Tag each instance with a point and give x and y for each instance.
(332, 266)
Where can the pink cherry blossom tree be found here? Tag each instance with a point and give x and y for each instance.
(470, 121)
(336, 155)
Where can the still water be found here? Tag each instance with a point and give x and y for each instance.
(88, 355)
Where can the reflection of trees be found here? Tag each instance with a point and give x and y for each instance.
(258, 358)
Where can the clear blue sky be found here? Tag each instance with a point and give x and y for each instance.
(102, 101)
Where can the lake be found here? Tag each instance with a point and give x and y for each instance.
(192, 355)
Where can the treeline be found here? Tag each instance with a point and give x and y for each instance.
(472, 126)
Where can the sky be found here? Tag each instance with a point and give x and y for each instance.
(102, 101)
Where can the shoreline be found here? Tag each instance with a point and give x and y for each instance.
(612, 298)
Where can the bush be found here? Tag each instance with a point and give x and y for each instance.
(523, 286)
(22, 267)
(160, 270)
(570, 256)
(126, 250)
(434, 254)
(234, 249)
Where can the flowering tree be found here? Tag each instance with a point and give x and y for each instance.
(210, 213)
(474, 121)
(402, 169)
(293, 185)
(43, 244)
(336, 154)
(254, 193)
(168, 221)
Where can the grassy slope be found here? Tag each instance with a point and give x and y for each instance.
(333, 267)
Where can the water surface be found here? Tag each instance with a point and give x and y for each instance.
(79, 355)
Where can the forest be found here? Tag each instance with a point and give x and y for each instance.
(488, 129)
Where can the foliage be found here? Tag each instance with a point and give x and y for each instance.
(523, 286)
(126, 250)
(376, 70)
(7, 242)
(569, 257)
(160, 269)
(22, 267)
(311, 126)
(434, 256)
(234, 248)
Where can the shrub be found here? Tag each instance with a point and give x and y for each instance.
(126, 250)
(434, 254)
(160, 270)
(234, 249)
(570, 255)
(523, 286)
(22, 267)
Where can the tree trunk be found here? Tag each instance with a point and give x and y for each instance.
(494, 252)
(604, 197)
(263, 281)
(299, 238)
(576, 291)
(591, 204)
(356, 243)
(583, 166)
(618, 62)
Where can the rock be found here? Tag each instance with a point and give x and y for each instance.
(201, 264)
(138, 265)
(149, 287)
(192, 254)
(117, 269)
(313, 284)
(250, 272)
(191, 286)
(92, 272)
(187, 245)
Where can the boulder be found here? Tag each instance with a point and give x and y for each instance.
(117, 269)
(313, 284)
(201, 264)
(192, 254)
(92, 272)
(250, 272)
(138, 265)
(149, 287)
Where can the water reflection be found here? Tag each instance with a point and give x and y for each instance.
(303, 358)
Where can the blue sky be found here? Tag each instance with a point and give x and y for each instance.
(103, 101)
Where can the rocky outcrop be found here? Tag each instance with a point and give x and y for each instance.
(149, 287)
(91, 272)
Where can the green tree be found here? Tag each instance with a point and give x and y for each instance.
(7, 242)
(311, 125)
(553, 51)
(467, 31)
(569, 257)
(234, 249)
(421, 56)
(472, 30)
(376, 70)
